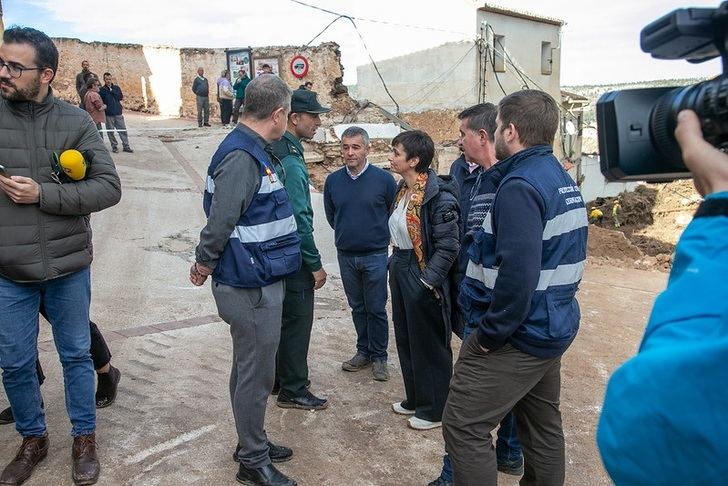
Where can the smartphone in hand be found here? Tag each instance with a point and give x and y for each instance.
(3, 172)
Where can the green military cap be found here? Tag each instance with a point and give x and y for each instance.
(305, 101)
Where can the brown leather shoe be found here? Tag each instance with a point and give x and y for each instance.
(86, 466)
(30, 453)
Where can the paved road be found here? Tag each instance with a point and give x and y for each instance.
(172, 423)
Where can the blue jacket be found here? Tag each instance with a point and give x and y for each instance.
(527, 258)
(665, 414)
(264, 247)
(112, 99)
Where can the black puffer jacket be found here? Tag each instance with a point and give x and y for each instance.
(439, 218)
(53, 237)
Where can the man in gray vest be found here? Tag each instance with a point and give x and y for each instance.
(249, 245)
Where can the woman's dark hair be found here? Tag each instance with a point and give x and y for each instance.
(417, 143)
(46, 53)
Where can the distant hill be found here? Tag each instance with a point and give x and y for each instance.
(593, 92)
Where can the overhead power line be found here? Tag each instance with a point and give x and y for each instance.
(356, 28)
(376, 21)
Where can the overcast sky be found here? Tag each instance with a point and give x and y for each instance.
(600, 41)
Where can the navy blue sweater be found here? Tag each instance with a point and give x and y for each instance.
(358, 210)
(112, 99)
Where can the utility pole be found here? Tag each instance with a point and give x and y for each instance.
(2, 26)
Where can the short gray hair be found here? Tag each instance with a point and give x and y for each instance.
(356, 132)
(264, 95)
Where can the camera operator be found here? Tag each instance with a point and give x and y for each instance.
(665, 414)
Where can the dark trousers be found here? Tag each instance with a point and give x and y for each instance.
(203, 110)
(236, 109)
(484, 388)
(365, 284)
(226, 109)
(292, 362)
(116, 122)
(507, 446)
(423, 342)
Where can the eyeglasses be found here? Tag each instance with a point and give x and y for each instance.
(16, 71)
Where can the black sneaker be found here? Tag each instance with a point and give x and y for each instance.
(306, 401)
(128, 150)
(263, 476)
(440, 482)
(115, 150)
(106, 389)
(275, 452)
(6, 416)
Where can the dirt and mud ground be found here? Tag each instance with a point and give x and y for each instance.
(172, 424)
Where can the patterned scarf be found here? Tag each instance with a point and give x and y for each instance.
(414, 229)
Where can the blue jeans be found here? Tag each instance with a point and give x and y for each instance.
(507, 446)
(67, 301)
(365, 284)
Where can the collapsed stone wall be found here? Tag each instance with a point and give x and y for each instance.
(148, 79)
(125, 61)
(325, 71)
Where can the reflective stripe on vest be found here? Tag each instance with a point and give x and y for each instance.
(265, 231)
(266, 186)
(562, 275)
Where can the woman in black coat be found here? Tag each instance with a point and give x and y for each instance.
(426, 238)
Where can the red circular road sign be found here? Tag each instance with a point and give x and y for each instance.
(299, 66)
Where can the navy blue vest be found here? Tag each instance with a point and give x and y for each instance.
(553, 319)
(264, 246)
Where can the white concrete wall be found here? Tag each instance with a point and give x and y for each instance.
(444, 77)
(595, 185)
(523, 38)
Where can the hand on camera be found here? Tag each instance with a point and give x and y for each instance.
(708, 165)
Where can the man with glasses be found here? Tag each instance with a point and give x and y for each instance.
(45, 248)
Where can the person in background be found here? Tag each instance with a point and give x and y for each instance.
(111, 94)
(424, 226)
(665, 413)
(225, 97)
(93, 103)
(201, 88)
(81, 79)
(241, 82)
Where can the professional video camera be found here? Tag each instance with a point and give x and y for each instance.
(636, 126)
